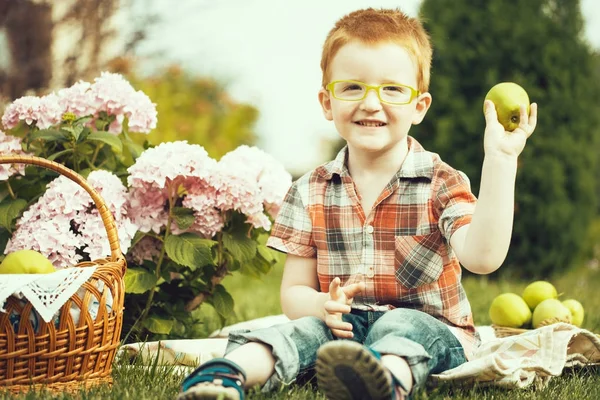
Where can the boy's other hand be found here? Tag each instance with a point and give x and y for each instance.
(497, 141)
(340, 299)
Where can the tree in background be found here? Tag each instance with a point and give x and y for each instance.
(538, 44)
(53, 43)
(199, 110)
(193, 108)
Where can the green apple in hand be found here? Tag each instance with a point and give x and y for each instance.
(538, 291)
(26, 262)
(576, 309)
(508, 97)
(509, 309)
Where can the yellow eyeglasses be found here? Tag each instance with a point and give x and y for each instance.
(390, 93)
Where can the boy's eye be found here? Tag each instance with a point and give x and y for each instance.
(352, 87)
(395, 88)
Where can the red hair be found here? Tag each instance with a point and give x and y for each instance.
(372, 26)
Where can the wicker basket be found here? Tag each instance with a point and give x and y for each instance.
(505, 331)
(67, 354)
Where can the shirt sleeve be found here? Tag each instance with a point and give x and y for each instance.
(455, 203)
(292, 230)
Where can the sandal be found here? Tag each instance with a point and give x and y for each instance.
(347, 370)
(218, 378)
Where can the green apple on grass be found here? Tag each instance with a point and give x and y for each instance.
(508, 97)
(510, 310)
(26, 262)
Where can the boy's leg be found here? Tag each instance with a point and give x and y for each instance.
(414, 345)
(403, 347)
(257, 360)
(278, 354)
(348, 370)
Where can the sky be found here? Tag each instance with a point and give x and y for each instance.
(257, 46)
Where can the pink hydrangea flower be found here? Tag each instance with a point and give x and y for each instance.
(162, 171)
(148, 207)
(251, 181)
(64, 221)
(170, 162)
(202, 198)
(110, 93)
(77, 99)
(114, 94)
(50, 111)
(44, 111)
(10, 145)
(141, 113)
(147, 249)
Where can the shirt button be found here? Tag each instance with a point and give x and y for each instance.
(370, 273)
(370, 229)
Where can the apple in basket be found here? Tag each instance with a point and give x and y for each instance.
(550, 311)
(26, 262)
(509, 309)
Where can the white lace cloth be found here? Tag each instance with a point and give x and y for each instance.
(46, 292)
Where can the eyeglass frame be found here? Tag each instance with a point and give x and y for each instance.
(414, 93)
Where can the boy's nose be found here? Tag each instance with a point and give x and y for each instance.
(371, 102)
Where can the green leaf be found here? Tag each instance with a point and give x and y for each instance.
(222, 301)
(9, 210)
(77, 129)
(139, 235)
(60, 154)
(260, 264)
(190, 250)
(184, 217)
(108, 138)
(50, 135)
(83, 135)
(83, 120)
(266, 253)
(4, 237)
(134, 148)
(159, 325)
(240, 246)
(138, 280)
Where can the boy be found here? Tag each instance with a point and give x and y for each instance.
(374, 238)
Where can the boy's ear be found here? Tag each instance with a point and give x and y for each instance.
(423, 104)
(325, 101)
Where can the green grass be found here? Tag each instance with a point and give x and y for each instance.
(257, 298)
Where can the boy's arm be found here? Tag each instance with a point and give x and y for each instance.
(300, 295)
(481, 246)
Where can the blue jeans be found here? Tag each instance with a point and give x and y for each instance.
(423, 341)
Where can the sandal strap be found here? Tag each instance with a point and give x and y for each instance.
(231, 375)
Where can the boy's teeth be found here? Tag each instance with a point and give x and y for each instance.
(371, 124)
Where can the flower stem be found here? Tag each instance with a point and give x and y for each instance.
(160, 258)
(10, 190)
(96, 151)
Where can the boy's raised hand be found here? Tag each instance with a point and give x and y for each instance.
(339, 302)
(499, 141)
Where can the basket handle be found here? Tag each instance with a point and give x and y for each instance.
(107, 217)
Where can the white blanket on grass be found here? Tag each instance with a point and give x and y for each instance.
(521, 361)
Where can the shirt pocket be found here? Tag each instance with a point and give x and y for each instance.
(418, 260)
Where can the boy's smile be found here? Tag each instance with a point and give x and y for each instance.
(369, 124)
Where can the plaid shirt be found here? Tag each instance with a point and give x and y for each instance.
(401, 250)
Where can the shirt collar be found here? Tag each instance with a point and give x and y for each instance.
(417, 164)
